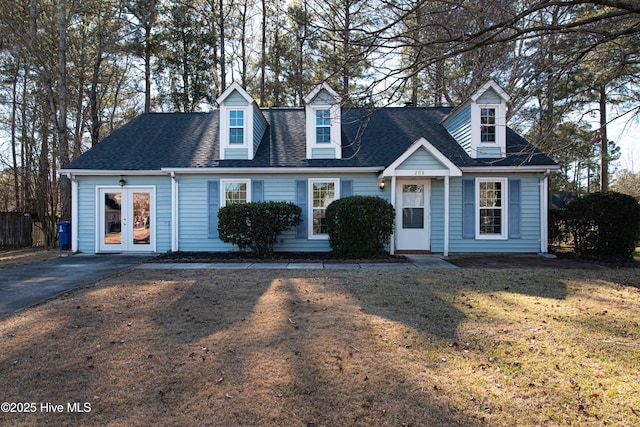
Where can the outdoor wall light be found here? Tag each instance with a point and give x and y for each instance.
(381, 184)
(122, 182)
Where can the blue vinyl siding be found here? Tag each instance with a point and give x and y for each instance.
(235, 100)
(236, 154)
(529, 240)
(194, 208)
(421, 160)
(489, 153)
(323, 153)
(459, 127)
(490, 96)
(87, 215)
(259, 128)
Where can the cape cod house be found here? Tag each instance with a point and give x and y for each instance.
(459, 178)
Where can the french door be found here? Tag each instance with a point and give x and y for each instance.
(126, 219)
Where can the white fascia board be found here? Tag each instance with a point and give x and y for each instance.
(100, 172)
(510, 169)
(254, 171)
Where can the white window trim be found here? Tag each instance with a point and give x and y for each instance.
(225, 124)
(336, 182)
(335, 141)
(501, 128)
(223, 196)
(243, 127)
(505, 209)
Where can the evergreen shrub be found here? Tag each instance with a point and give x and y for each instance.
(257, 225)
(605, 224)
(360, 226)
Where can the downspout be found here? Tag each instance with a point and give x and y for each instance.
(446, 216)
(544, 212)
(175, 246)
(74, 212)
(393, 203)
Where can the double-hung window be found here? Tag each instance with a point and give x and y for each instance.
(235, 191)
(236, 127)
(491, 208)
(322, 193)
(487, 125)
(323, 126)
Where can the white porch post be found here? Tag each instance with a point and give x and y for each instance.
(446, 216)
(544, 214)
(74, 214)
(175, 247)
(393, 203)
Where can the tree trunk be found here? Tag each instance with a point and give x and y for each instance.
(14, 142)
(263, 53)
(63, 139)
(604, 142)
(223, 68)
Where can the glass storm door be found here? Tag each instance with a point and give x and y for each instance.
(125, 220)
(413, 221)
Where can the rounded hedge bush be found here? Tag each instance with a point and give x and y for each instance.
(257, 225)
(360, 226)
(605, 224)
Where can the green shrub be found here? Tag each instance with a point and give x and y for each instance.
(604, 224)
(257, 225)
(360, 226)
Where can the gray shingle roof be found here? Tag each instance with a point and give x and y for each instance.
(370, 138)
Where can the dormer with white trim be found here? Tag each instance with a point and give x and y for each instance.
(479, 125)
(323, 123)
(242, 124)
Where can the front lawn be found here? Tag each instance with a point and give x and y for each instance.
(392, 347)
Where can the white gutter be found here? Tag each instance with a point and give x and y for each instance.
(493, 169)
(286, 170)
(96, 172)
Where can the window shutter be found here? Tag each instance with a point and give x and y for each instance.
(257, 190)
(468, 209)
(346, 188)
(213, 199)
(514, 209)
(301, 200)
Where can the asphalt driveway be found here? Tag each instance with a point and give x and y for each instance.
(24, 286)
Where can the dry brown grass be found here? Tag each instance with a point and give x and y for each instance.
(16, 257)
(333, 348)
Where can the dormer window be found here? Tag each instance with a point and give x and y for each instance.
(323, 123)
(487, 125)
(479, 125)
(236, 127)
(242, 124)
(323, 126)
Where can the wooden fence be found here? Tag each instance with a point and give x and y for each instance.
(15, 230)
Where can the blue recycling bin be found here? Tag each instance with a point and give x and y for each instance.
(64, 235)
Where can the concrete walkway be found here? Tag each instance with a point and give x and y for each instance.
(416, 261)
(24, 286)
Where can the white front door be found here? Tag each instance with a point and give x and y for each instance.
(413, 215)
(126, 219)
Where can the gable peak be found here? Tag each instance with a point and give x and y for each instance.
(234, 87)
(319, 88)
